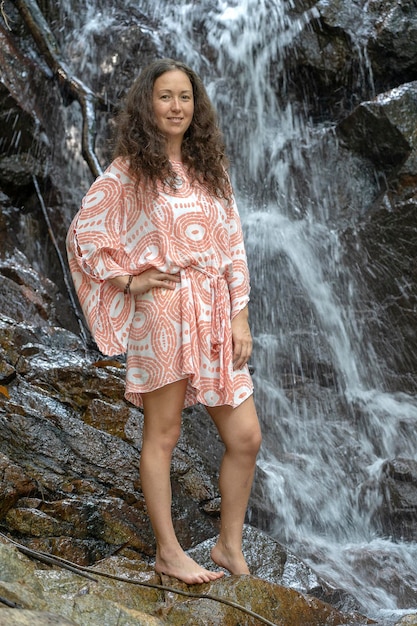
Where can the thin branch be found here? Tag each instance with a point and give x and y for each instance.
(49, 49)
(4, 15)
(61, 260)
(9, 603)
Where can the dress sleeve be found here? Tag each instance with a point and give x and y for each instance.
(99, 230)
(238, 278)
(96, 252)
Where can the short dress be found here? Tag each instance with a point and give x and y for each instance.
(126, 228)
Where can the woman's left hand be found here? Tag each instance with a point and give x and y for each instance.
(242, 339)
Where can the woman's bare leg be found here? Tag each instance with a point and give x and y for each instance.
(240, 431)
(162, 426)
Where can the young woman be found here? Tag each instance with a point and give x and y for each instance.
(158, 261)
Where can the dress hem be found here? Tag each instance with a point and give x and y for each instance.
(135, 397)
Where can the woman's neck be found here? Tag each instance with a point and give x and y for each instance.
(174, 151)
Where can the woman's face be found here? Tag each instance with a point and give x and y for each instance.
(173, 103)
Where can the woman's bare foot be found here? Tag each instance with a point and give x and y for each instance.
(181, 566)
(234, 562)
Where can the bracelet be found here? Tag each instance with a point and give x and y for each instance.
(126, 290)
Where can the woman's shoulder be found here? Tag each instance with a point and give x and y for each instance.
(119, 169)
(111, 183)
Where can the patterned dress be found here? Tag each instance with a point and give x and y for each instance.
(168, 335)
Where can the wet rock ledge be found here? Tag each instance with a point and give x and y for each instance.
(70, 487)
(123, 591)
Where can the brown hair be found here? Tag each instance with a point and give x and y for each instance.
(139, 140)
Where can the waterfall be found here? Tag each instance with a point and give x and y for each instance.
(328, 423)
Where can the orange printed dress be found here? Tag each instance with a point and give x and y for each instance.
(168, 335)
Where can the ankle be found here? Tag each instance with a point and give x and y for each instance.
(232, 547)
(169, 550)
(229, 556)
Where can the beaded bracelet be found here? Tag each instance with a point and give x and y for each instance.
(126, 290)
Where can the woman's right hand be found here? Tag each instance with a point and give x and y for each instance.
(150, 279)
(145, 281)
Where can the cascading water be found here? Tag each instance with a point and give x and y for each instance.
(328, 425)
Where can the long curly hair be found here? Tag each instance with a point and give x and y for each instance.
(139, 140)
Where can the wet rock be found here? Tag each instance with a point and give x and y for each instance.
(14, 484)
(28, 293)
(277, 604)
(271, 561)
(73, 597)
(393, 46)
(20, 169)
(24, 146)
(398, 512)
(32, 618)
(407, 620)
(352, 50)
(120, 598)
(7, 372)
(378, 564)
(389, 234)
(384, 131)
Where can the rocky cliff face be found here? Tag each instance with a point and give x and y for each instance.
(69, 444)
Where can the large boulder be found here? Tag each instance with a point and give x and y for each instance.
(119, 591)
(383, 130)
(352, 50)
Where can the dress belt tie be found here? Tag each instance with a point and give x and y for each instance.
(218, 306)
(219, 313)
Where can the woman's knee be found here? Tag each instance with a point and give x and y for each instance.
(164, 435)
(162, 416)
(250, 439)
(240, 430)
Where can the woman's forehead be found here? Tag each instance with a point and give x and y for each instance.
(173, 78)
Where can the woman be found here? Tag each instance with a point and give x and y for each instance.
(159, 265)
